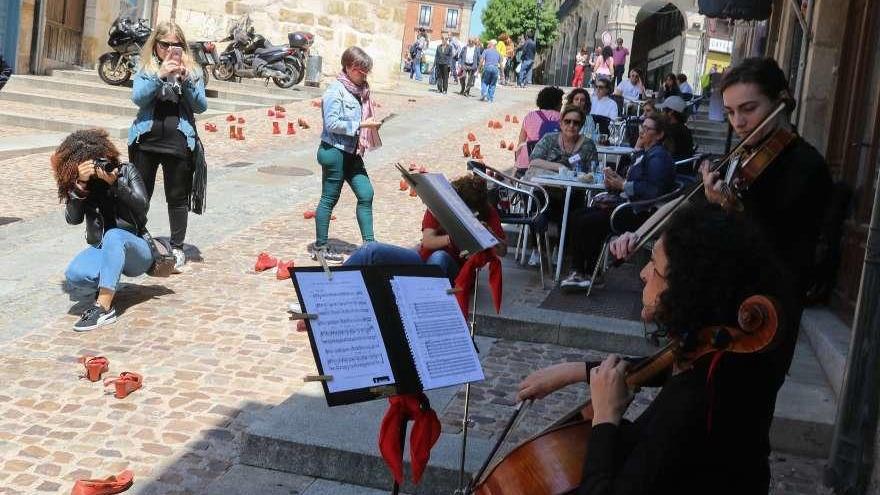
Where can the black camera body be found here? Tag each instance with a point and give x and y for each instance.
(105, 164)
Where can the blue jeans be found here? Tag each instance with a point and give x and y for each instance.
(490, 80)
(377, 253)
(100, 267)
(416, 71)
(525, 72)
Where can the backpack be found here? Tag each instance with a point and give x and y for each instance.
(547, 125)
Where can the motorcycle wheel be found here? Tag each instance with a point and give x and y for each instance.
(206, 75)
(116, 77)
(223, 72)
(294, 76)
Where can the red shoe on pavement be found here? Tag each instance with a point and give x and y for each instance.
(264, 262)
(106, 486)
(95, 366)
(127, 383)
(283, 271)
(309, 214)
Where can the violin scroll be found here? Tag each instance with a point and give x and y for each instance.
(757, 314)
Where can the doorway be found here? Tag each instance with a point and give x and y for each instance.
(63, 33)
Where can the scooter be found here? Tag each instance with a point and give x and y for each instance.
(250, 55)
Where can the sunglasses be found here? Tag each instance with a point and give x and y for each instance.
(602, 87)
(574, 122)
(167, 44)
(645, 128)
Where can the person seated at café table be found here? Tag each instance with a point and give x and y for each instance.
(632, 90)
(651, 175)
(679, 139)
(604, 108)
(567, 150)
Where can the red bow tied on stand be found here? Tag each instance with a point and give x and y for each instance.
(467, 277)
(424, 434)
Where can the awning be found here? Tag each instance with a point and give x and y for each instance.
(748, 10)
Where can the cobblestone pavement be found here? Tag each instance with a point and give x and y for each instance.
(214, 345)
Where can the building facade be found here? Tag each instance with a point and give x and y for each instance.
(437, 18)
(73, 33)
(662, 37)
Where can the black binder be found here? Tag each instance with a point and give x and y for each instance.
(377, 280)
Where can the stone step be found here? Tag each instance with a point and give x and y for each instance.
(830, 337)
(304, 436)
(61, 120)
(260, 96)
(805, 409)
(248, 480)
(87, 103)
(28, 144)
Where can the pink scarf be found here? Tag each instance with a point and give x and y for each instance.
(369, 138)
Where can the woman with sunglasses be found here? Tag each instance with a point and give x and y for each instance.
(651, 175)
(350, 130)
(168, 90)
(707, 430)
(110, 197)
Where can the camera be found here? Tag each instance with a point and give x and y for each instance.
(105, 164)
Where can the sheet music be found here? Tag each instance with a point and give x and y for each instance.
(438, 335)
(346, 331)
(485, 238)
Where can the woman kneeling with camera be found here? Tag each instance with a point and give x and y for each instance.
(110, 196)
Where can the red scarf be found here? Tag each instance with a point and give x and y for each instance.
(467, 277)
(425, 433)
(369, 138)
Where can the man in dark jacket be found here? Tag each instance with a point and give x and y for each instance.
(469, 59)
(443, 59)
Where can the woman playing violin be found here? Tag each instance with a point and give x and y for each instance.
(788, 200)
(707, 431)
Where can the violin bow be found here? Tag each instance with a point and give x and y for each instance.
(655, 222)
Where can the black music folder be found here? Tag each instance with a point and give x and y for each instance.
(385, 330)
(451, 212)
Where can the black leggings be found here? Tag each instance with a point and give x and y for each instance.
(177, 174)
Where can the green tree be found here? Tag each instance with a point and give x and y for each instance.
(515, 17)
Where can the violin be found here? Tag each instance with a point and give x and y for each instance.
(552, 461)
(743, 168)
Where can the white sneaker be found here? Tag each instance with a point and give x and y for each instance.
(179, 259)
(534, 258)
(575, 281)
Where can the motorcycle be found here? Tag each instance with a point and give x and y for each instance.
(128, 38)
(250, 55)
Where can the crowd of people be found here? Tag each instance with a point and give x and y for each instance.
(500, 61)
(710, 423)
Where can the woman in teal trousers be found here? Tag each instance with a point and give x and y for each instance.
(350, 130)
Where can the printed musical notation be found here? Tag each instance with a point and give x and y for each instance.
(438, 335)
(346, 331)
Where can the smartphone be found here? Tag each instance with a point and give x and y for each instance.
(175, 53)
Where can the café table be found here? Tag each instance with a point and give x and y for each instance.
(569, 184)
(615, 151)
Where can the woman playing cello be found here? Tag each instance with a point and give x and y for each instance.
(707, 430)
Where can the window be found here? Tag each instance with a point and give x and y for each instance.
(451, 18)
(425, 15)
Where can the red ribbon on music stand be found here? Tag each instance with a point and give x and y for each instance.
(424, 434)
(467, 276)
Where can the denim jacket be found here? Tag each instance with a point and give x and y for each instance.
(342, 118)
(143, 94)
(652, 176)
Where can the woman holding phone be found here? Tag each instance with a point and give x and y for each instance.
(168, 90)
(350, 130)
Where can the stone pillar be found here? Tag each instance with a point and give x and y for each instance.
(622, 24)
(691, 56)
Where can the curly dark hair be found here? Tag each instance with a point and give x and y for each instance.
(607, 52)
(78, 147)
(570, 99)
(550, 98)
(715, 261)
(763, 72)
(474, 193)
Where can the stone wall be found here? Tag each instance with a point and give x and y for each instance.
(374, 25)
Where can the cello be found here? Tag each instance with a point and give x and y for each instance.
(552, 461)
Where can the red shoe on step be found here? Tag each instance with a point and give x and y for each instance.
(106, 486)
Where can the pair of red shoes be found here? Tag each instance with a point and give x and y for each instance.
(106, 486)
(210, 127)
(265, 262)
(126, 383)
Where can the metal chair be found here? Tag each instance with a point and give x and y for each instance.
(648, 204)
(529, 203)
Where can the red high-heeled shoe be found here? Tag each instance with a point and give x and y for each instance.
(264, 262)
(106, 486)
(126, 383)
(95, 366)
